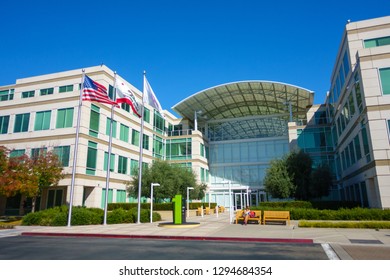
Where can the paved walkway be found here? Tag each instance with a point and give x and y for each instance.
(342, 243)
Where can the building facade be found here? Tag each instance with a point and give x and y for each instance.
(350, 132)
(41, 113)
(227, 134)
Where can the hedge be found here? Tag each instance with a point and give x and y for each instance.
(158, 206)
(58, 216)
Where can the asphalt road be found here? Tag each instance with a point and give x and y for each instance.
(65, 248)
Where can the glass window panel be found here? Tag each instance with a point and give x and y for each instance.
(135, 137)
(91, 158)
(112, 161)
(63, 153)
(42, 120)
(22, 122)
(385, 80)
(357, 147)
(64, 118)
(124, 133)
(94, 121)
(4, 122)
(114, 126)
(47, 91)
(133, 166)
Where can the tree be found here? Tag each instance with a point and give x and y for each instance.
(321, 180)
(293, 176)
(48, 170)
(173, 180)
(16, 175)
(28, 176)
(277, 180)
(299, 166)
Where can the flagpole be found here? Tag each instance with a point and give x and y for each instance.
(141, 155)
(109, 158)
(76, 145)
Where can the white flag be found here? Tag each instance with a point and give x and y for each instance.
(126, 95)
(150, 98)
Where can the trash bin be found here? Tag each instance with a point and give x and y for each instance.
(183, 211)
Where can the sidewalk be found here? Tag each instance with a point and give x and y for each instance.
(346, 243)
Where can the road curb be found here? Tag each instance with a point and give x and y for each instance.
(171, 237)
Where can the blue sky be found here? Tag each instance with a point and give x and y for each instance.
(184, 46)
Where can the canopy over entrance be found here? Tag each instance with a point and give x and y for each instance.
(249, 109)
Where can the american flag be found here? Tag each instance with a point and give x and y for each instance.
(93, 91)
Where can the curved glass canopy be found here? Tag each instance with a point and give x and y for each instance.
(247, 109)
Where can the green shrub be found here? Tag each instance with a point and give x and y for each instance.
(58, 216)
(120, 216)
(157, 206)
(286, 204)
(83, 216)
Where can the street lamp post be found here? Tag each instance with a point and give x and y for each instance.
(151, 199)
(188, 202)
(230, 201)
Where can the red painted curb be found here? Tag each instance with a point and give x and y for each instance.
(168, 237)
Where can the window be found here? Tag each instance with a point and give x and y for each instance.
(94, 121)
(111, 92)
(17, 153)
(135, 137)
(21, 122)
(67, 88)
(351, 105)
(91, 158)
(366, 147)
(159, 123)
(346, 64)
(54, 198)
(202, 174)
(47, 91)
(42, 120)
(109, 197)
(63, 153)
(122, 165)
(358, 93)
(146, 115)
(38, 151)
(145, 143)
(4, 122)
(64, 118)
(377, 42)
(133, 167)
(124, 133)
(28, 94)
(385, 80)
(178, 149)
(358, 152)
(125, 107)
(7, 94)
(158, 147)
(114, 126)
(112, 161)
(201, 150)
(121, 196)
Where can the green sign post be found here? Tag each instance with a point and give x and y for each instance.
(177, 220)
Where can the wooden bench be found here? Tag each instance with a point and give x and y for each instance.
(207, 211)
(221, 209)
(256, 218)
(276, 216)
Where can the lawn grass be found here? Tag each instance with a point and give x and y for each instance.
(10, 222)
(345, 224)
